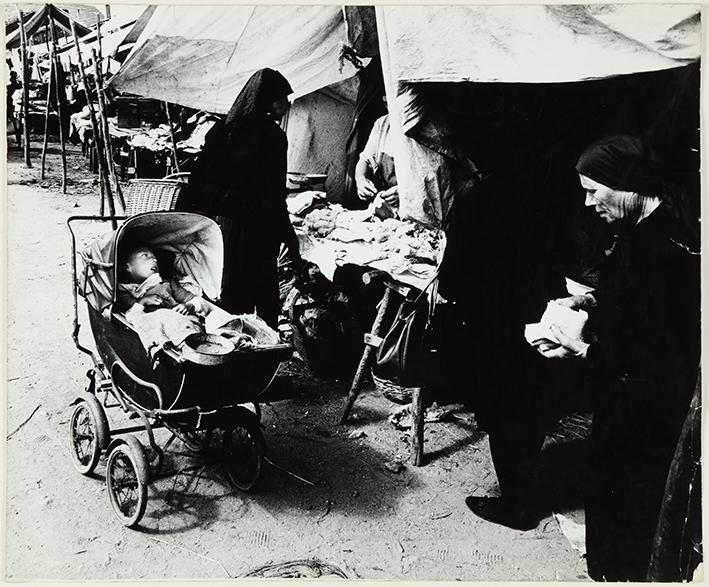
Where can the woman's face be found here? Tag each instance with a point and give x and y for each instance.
(611, 205)
(279, 108)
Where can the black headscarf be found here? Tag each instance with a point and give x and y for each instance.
(262, 89)
(622, 162)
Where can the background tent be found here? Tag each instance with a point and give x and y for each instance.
(201, 58)
(39, 20)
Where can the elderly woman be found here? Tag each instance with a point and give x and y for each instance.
(241, 177)
(642, 346)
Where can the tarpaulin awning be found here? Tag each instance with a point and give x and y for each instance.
(536, 43)
(40, 19)
(201, 56)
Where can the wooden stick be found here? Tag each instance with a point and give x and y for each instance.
(103, 169)
(59, 94)
(172, 136)
(25, 90)
(104, 115)
(417, 417)
(71, 71)
(366, 356)
(105, 128)
(46, 116)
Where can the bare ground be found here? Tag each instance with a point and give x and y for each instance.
(359, 516)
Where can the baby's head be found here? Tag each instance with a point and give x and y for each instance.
(140, 264)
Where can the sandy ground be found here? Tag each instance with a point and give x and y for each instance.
(359, 516)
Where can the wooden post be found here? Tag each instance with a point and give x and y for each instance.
(366, 356)
(102, 103)
(59, 93)
(71, 70)
(25, 90)
(417, 418)
(103, 169)
(172, 136)
(105, 128)
(46, 114)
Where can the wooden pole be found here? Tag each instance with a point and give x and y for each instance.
(417, 418)
(102, 103)
(172, 136)
(71, 71)
(59, 93)
(46, 117)
(103, 170)
(25, 90)
(105, 128)
(366, 355)
(46, 111)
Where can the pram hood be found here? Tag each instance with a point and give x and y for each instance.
(195, 240)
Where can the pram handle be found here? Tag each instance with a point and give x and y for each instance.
(76, 324)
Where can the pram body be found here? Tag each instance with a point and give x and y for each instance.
(164, 388)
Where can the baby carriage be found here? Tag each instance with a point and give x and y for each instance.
(189, 390)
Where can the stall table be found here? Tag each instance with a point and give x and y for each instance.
(328, 254)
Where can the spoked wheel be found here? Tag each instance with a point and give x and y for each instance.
(127, 474)
(88, 433)
(244, 448)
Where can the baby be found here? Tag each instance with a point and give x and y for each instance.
(145, 286)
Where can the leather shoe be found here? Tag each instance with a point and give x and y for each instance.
(497, 511)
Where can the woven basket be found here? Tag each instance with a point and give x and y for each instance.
(393, 392)
(151, 195)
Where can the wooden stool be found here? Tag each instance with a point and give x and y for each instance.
(372, 341)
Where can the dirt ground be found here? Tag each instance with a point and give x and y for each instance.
(359, 516)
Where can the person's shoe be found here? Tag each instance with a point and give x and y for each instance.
(495, 510)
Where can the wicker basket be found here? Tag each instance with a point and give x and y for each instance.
(393, 392)
(151, 195)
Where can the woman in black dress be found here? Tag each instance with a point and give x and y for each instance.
(240, 176)
(643, 350)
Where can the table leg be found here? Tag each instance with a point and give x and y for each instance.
(417, 420)
(366, 356)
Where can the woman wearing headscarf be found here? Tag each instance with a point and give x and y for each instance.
(241, 177)
(642, 345)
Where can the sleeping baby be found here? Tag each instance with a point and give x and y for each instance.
(143, 284)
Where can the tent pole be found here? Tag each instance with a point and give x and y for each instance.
(172, 136)
(105, 128)
(103, 170)
(111, 162)
(59, 94)
(71, 71)
(25, 90)
(46, 113)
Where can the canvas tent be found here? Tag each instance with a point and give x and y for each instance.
(201, 58)
(117, 34)
(511, 44)
(39, 20)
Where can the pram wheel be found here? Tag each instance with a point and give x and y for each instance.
(88, 433)
(127, 475)
(244, 448)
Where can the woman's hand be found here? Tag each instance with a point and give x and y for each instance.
(391, 196)
(566, 348)
(366, 189)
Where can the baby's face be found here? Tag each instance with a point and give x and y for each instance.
(141, 264)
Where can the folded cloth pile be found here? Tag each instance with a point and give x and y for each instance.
(572, 322)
